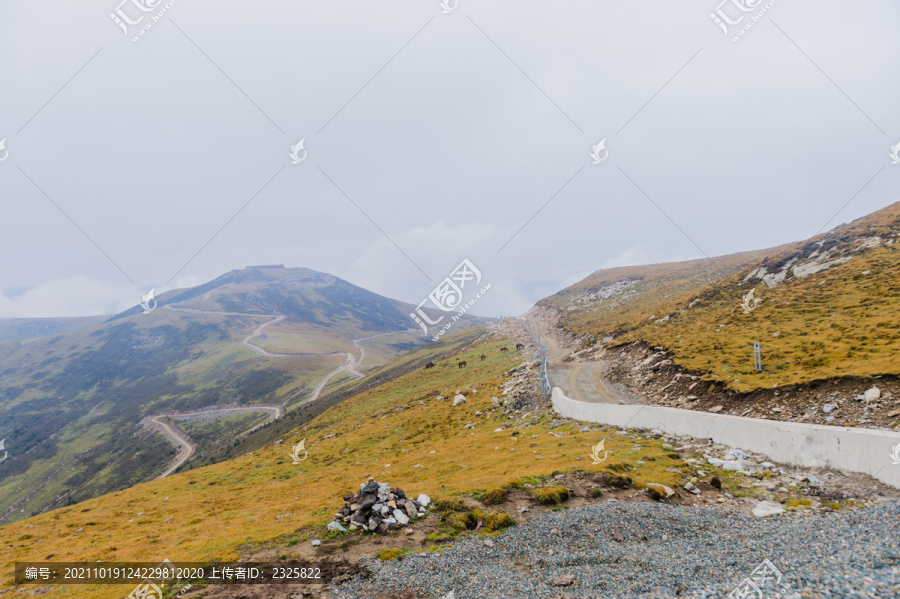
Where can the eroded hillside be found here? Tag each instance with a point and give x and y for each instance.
(827, 307)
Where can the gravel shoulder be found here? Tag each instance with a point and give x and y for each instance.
(623, 550)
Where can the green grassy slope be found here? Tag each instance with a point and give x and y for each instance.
(397, 430)
(71, 404)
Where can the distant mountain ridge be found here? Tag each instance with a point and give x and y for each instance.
(71, 403)
(32, 328)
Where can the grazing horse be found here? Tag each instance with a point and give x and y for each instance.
(463, 363)
(429, 365)
(483, 357)
(504, 349)
(520, 346)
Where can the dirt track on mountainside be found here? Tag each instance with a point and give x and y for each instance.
(172, 433)
(187, 446)
(584, 381)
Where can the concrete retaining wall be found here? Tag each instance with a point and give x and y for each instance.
(843, 448)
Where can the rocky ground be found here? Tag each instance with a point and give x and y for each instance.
(616, 550)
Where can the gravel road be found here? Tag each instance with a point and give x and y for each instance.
(625, 550)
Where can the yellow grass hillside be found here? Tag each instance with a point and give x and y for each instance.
(398, 432)
(828, 307)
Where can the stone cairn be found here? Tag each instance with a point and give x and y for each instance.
(379, 508)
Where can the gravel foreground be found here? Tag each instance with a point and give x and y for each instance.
(625, 550)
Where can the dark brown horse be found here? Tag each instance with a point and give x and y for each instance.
(483, 357)
(520, 346)
(463, 363)
(504, 349)
(429, 365)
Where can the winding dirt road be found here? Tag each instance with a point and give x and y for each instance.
(256, 332)
(586, 383)
(362, 349)
(162, 423)
(187, 446)
(350, 364)
(583, 381)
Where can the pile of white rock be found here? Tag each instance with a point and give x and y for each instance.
(379, 508)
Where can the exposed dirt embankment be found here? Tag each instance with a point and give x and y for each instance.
(847, 401)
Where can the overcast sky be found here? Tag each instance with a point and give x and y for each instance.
(430, 137)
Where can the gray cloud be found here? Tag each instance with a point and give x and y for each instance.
(450, 149)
